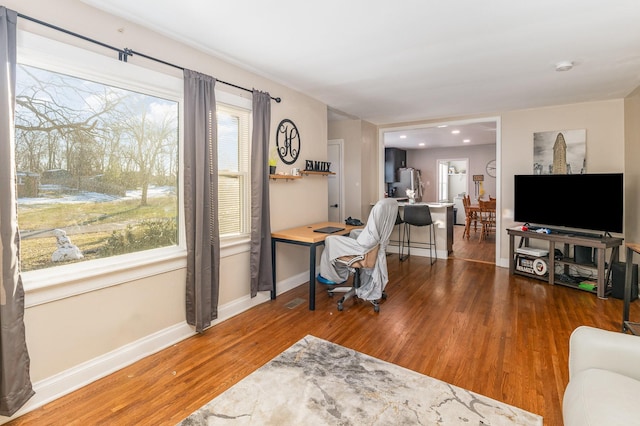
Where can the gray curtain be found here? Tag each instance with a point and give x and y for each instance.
(15, 382)
(201, 199)
(260, 260)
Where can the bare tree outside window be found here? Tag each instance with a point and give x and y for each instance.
(104, 165)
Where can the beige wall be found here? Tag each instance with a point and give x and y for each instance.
(369, 154)
(632, 166)
(604, 124)
(350, 131)
(71, 331)
(360, 164)
(67, 333)
(605, 127)
(426, 161)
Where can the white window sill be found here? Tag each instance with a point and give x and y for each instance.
(48, 285)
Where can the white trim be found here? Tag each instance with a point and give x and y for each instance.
(51, 284)
(43, 286)
(499, 196)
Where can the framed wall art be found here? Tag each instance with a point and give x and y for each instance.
(560, 152)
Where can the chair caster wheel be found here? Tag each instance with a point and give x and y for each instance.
(384, 295)
(376, 308)
(340, 307)
(330, 293)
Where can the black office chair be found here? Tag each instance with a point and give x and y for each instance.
(418, 215)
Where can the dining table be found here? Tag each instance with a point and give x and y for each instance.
(472, 215)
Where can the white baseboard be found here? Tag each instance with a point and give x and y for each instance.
(56, 386)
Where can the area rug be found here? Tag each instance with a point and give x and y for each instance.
(316, 382)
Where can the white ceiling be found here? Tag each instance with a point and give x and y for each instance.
(449, 135)
(396, 61)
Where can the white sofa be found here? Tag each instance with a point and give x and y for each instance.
(604, 379)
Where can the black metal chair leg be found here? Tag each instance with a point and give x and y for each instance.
(406, 232)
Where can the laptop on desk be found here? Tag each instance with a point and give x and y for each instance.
(328, 229)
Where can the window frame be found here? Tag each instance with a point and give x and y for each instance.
(237, 102)
(43, 286)
(46, 285)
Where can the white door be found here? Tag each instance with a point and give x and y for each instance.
(336, 189)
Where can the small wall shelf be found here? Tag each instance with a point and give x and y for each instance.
(302, 173)
(285, 177)
(311, 172)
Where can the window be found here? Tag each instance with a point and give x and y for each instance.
(233, 166)
(97, 145)
(80, 137)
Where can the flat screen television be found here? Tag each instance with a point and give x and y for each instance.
(589, 201)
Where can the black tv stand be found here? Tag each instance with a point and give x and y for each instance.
(602, 243)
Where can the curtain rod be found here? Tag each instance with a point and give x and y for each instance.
(123, 54)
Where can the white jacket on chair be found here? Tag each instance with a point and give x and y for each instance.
(376, 232)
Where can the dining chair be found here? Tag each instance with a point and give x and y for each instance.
(487, 217)
(470, 216)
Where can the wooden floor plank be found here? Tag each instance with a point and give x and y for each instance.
(462, 321)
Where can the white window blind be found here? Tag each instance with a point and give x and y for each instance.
(233, 170)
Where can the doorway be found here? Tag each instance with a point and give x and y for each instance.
(445, 140)
(453, 184)
(335, 150)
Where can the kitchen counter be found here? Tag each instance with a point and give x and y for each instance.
(442, 215)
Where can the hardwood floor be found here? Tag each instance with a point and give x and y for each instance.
(465, 322)
(473, 248)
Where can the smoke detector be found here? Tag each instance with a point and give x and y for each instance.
(564, 66)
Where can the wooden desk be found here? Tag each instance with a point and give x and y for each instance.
(305, 236)
(633, 327)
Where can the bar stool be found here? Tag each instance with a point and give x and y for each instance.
(399, 222)
(418, 215)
